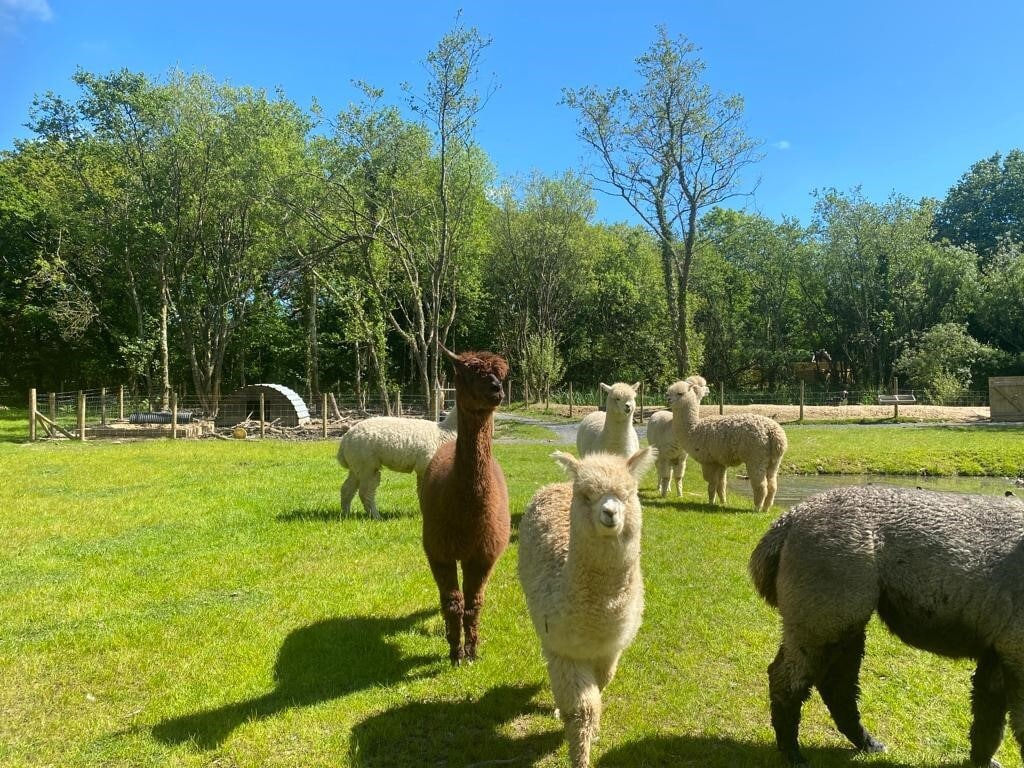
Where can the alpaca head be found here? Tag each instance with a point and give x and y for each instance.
(694, 384)
(479, 379)
(604, 491)
(621, 400)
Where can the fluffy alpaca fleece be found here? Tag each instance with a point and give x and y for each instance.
(464, 501)
(611, 430)
(747, 438)
(404, 445)
(944, 571)
(671, 463)
(579, 565)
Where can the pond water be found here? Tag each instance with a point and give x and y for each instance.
(795, 488)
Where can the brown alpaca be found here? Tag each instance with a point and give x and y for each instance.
(464, 501)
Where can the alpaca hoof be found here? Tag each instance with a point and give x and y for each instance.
(456, 656)
(872, 745)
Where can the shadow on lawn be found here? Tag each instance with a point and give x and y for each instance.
(457, 732)
(316, 663)
(333, 515)
(712, 752)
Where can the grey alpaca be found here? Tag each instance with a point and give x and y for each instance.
(944, 571)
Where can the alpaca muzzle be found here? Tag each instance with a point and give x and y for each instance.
(611, 513)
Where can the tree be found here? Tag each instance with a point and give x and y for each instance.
(413, 197)
(538, 266)
(671, 150)
(941, 362)
(986, 205)
(749, 311)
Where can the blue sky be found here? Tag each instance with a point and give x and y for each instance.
(898, 96)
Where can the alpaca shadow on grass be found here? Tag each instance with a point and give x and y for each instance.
(723, 752)
(334, 515)
(472, 731)
(317, 663)
(654, 500)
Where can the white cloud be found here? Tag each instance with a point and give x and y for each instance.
(783, 145)
(13, 12)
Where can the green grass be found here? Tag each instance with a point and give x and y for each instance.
(906, 450)
(203, 604)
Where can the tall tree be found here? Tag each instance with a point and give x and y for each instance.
(413, 196)
(671, 149)
(986, 205)
(538, 265)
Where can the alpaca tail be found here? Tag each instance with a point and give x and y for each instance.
(341, 455)
(764, 562)
(777, 446)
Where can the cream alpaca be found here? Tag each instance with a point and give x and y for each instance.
(611, 430)
(579, 564)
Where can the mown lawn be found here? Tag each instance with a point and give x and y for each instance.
(203, 604)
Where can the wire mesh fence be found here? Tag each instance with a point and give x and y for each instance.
(111, 412)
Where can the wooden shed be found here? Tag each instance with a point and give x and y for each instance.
(279, 404)
(1006, 398)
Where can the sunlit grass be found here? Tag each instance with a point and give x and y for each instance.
(204, 604)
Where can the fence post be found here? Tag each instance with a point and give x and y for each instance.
(570, 399)
(721, 398)
(120, 403)
(324, 415)
(801, 402)
(398, 401)
(103, 406)
(53, 407)
(81, 416)
(641, 402)
(896, 405)
(174, 415)
(263, 416)
(32, 415)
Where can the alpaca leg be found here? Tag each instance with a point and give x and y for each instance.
(710, 473)
(680, 472)
(759, 485)
(368, 493)
(788, 688)
(772, 487)
(474, 582)
(722, 477)
(348, 492)
(839, 689)
(604, 670)
(446, 576)
(664, 474)
(579, 701)
(988, 706)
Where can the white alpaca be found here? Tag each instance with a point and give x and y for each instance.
(401, 444)
(611, 431)
(747, 438)
(671, 462)
(579, 565)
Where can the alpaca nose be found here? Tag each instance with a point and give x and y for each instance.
(610, 511)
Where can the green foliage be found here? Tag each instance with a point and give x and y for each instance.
(543, 366)
(986, 205)
(941, 363)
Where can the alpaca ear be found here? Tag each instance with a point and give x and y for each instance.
(569, 463)
(636, 387)
(605, 387)
(448, 353)
(641, 461)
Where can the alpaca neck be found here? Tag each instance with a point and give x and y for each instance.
(685, 418)
(473, 442)
(600, 565)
